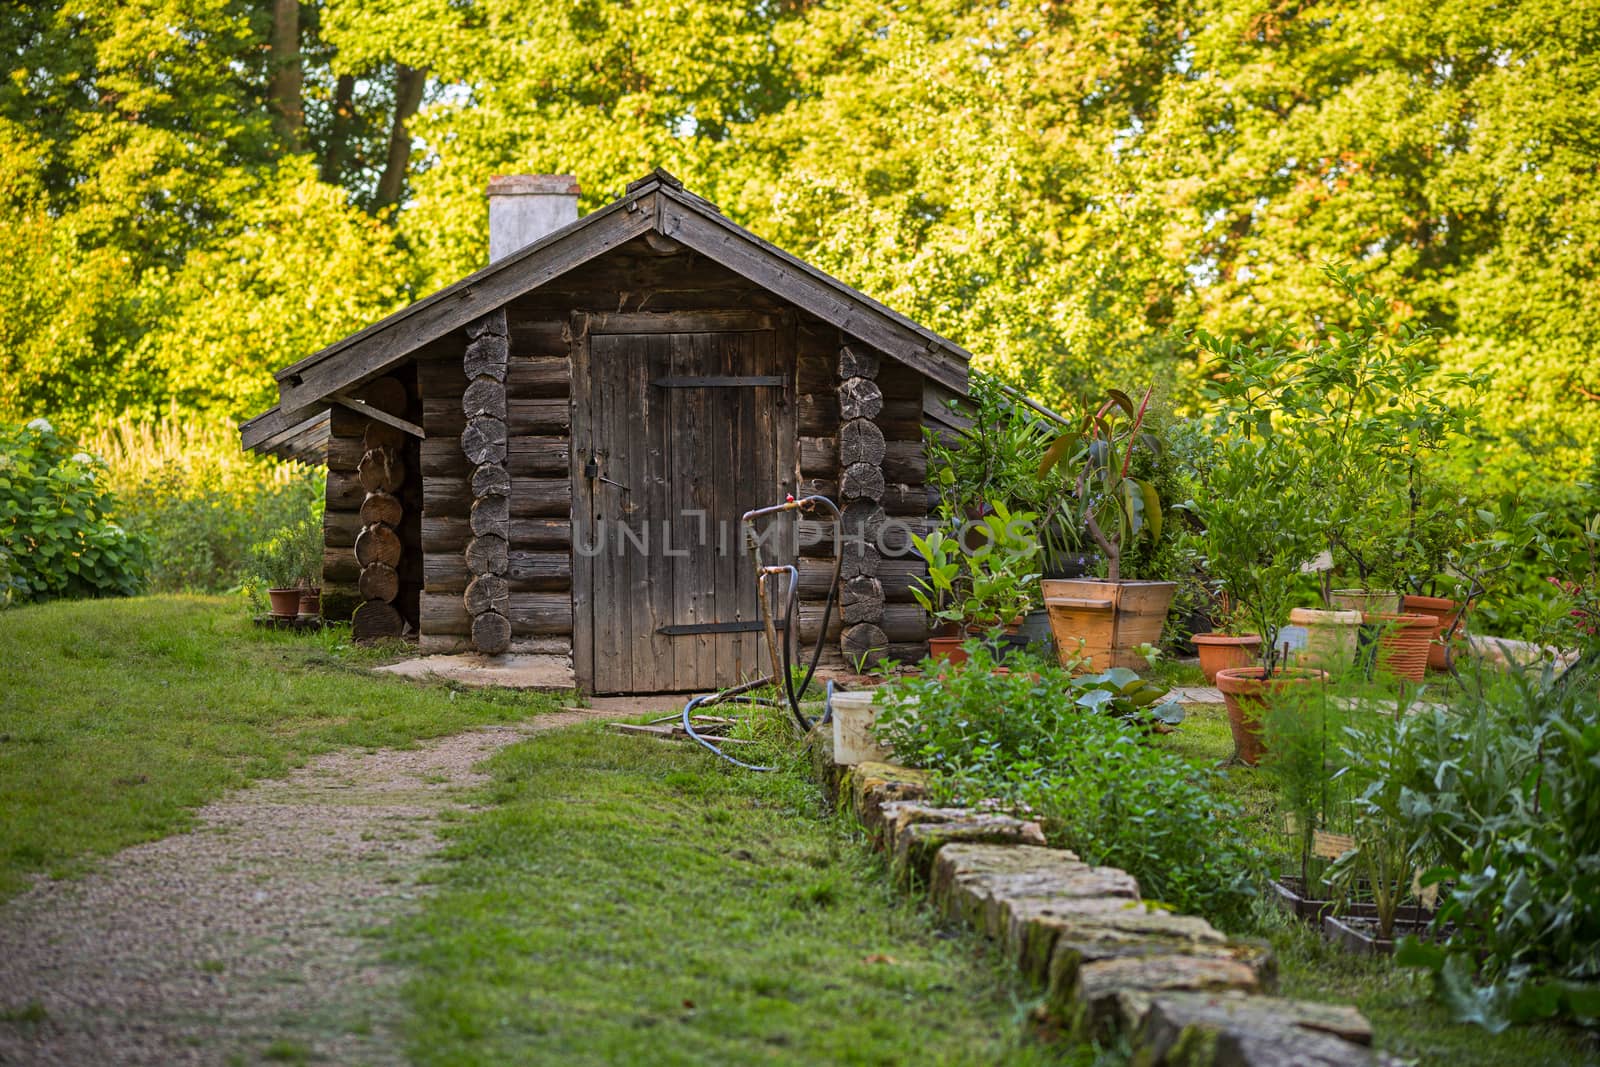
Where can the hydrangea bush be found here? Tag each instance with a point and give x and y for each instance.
(58, 536)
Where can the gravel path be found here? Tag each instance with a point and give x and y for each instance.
(245, 940)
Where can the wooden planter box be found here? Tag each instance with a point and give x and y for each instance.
(1359, 934)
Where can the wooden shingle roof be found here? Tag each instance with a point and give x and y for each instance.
(656, 203)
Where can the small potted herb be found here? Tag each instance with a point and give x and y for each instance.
(981, 582)
(287, 563)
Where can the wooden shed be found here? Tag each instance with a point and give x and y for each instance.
(553, 454)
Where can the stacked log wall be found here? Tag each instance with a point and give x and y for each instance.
(538, 570)
(373, 513)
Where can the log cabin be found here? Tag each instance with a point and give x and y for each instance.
(553, 454)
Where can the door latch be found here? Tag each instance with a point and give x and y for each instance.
(591, 470)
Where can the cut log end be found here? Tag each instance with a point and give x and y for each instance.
(491, 479)
(484, 441)
(382, 435)
(491, 633)
(859, 398)
(862, 481)
(488, 554)
(380, 507)
(857, 361)
(861, 600)
(379, 582)
(484, 397)
(486, 357)
(491, 515)
(494, 324)
(864, 644)
(386, 394)
(378, 544)
(488, 592)
(381, 471)
(861, 441)
(376, 619)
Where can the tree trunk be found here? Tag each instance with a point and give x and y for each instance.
(288, 80)
(408, 85)
(344, 119)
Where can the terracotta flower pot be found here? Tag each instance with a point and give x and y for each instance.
(1403, 644)
(1366, 601)
(1447, 612)
(311, 601)
(1108, 619)
(285, 602)
(1331, 638)
(1248, 694)
(947, 648)
(1221, 651)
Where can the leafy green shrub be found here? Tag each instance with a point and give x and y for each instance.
(1507, 793)
(1075, 752)
(57, 534)
(199, 499)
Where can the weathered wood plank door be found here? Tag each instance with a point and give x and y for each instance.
(677, 432)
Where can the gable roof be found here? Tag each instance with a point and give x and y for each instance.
(657, 203)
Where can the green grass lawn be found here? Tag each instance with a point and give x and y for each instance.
(1408, 1022)
(120, 717)
(629, 901)
(619, 900)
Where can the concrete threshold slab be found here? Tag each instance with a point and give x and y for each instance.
(514, 671)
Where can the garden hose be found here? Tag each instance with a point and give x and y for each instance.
(738, 694)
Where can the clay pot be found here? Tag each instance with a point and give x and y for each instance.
(1447, 612)
(285, 602)
(947, 648)
(1109, 619)
(1248, 694)
(1403, 644)
(1366, 601)
(1331, 638)
(311, 601)
(1221, 651)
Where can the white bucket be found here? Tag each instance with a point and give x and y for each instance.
(853, 716)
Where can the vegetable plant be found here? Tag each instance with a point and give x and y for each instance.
(1504, 791)
(1076, 753)
(982, 576)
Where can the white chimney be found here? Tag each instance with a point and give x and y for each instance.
(526, 207)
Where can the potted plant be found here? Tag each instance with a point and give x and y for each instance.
(1367, 406)
(981, 580)
(309, 545)
(1231, 644)
(277, 563)
(1110, 618)
(1383, 861)
(288, 563)
(1259, 522)
(1302, 735)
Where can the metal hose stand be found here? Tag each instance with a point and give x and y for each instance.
(736, 695)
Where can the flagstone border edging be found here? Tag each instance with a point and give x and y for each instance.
(1110, 965)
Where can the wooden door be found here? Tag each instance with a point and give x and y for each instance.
(686, 429)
